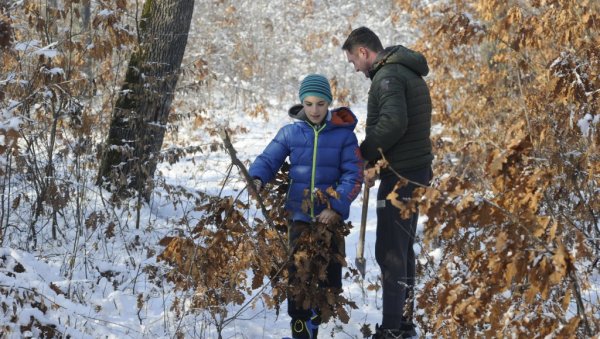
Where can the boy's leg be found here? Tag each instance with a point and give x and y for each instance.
(295, 230)
(334, 268)
(305, 322)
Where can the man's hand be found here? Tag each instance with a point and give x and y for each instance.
(370, 175)
(329, 217)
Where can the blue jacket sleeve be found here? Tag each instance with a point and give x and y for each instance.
(351, 180)
(270, 160)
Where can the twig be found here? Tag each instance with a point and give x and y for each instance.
(398, 174)
(525, 110)
(226, 178)
(234, 159)
(579, 299)
(230, 319)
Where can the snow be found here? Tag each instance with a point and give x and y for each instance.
(33, 46)
(12, 123)
(587, 123)
(26, 45)
(104, 274)
(114, 311)
(436, 254)
(106, 13)
(56, 71)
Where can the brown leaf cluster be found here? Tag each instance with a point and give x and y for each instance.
(515, 199)
(314, 252)
(318, 197)
(223, 247)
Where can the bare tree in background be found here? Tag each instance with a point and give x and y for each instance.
(139, 117)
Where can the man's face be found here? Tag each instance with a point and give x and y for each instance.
(359, 58)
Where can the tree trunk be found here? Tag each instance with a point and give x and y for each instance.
(140, 114)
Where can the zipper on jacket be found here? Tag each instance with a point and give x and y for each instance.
(314, 170)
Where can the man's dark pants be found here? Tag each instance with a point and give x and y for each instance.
(394, 248)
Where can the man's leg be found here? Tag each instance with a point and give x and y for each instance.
(407, 324)
(394, 251)
(391, 252)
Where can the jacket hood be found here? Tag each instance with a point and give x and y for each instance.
(413, 60)
(343, 117)
(297, 112)
(339, 117)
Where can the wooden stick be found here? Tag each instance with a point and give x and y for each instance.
(249, 182)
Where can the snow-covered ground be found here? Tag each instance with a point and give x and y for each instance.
(264, 323)
(101, 268)
(106, 279)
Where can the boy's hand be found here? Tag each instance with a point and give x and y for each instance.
(256, 187)
(329, 217)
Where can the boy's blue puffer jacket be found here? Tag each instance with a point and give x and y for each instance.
(337, 161)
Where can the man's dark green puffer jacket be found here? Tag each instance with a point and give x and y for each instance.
(399, 111)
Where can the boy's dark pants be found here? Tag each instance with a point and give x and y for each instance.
(334, 269)
(394, 249)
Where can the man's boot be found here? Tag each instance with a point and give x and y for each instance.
(393, 333)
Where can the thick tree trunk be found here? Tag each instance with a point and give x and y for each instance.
(140, 115)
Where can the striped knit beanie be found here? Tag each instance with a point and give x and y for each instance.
(315, 85)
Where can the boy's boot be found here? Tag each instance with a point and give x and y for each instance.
(305, 328)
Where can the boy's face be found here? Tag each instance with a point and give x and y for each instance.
(315, 109)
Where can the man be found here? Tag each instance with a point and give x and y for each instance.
(398, 125)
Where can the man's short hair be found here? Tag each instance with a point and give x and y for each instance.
(364, 37)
